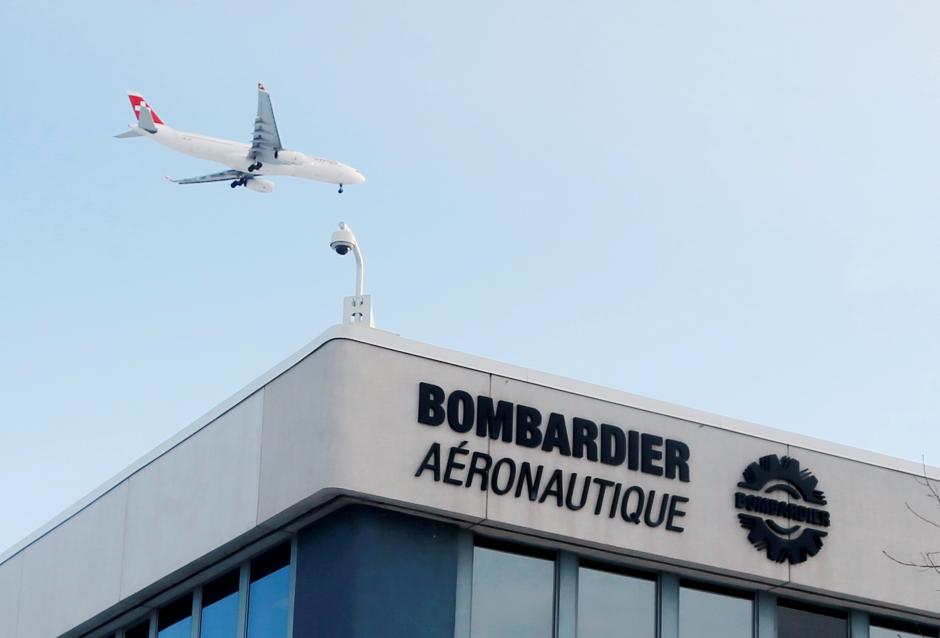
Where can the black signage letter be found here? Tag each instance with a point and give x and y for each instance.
(584, 438)
(528, 421)
(457, 400)
(650, 453)
(494, 423)
(674, 513)
(430, 404)
(432, 461)
(677, 459)
(613, 445)
(556, 435)
(494, 476)
(648, 514)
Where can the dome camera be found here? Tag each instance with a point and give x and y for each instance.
(357, 309)
(343, 240)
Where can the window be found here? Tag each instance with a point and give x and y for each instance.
(269, 594)
(225, 607)
(796, 620)
(513, 593)
(715, 613)
(141, 630)
(612, 604)
(220, 608)
(176, 619)
(884, 628)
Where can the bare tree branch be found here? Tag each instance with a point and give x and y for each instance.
(933, 491)
(928, 560)
(929, 563)
(920, 516)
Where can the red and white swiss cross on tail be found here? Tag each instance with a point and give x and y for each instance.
(137, 100)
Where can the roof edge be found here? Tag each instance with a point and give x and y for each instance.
(392, 341)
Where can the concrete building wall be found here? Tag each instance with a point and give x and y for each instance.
(340, 418)
(177, 511)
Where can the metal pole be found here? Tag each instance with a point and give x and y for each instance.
(360, 270)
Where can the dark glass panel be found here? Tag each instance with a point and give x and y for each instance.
(614, 604)
(270, 562)
(513, 595)
(796, 620)
(269, 594)
(175, 620)
(706, 612)
(141, 630)
(884, 628)
(220, 608)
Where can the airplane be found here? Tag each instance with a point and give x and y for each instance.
(247, 162)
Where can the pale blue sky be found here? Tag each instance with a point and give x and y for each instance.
(728, 205)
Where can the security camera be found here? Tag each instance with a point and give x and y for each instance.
(343, 240)
(357, 309)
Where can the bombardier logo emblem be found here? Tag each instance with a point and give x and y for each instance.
(784, 524)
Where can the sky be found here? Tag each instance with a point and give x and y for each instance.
(730, 205)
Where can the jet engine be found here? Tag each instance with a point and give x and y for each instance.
(260, 185)
(294, 158)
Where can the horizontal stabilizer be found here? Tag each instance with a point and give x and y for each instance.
(131, 132)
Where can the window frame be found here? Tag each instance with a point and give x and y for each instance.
(617, 570)
(894, 624)
(719, 589)
(462, 625)
(841, 613)
(241, 563)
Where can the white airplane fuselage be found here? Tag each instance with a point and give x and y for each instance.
(235, 155)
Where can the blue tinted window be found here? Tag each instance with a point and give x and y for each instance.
(709, 614)
(795, 620)
(615, 605)
(220, 608)
(512, 595)
(269, 594)
(175, 620)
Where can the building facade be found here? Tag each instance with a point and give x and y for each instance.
(375, 486)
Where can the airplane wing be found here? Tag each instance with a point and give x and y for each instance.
(224, 176)
(265, 141)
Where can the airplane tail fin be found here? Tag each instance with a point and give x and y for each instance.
(138, 101)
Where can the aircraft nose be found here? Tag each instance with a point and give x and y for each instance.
(358, 178)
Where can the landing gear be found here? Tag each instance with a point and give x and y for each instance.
(254, 167)
(235, 183)
(340, 189)
(239, 182)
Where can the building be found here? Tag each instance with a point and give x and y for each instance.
(375, 486)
